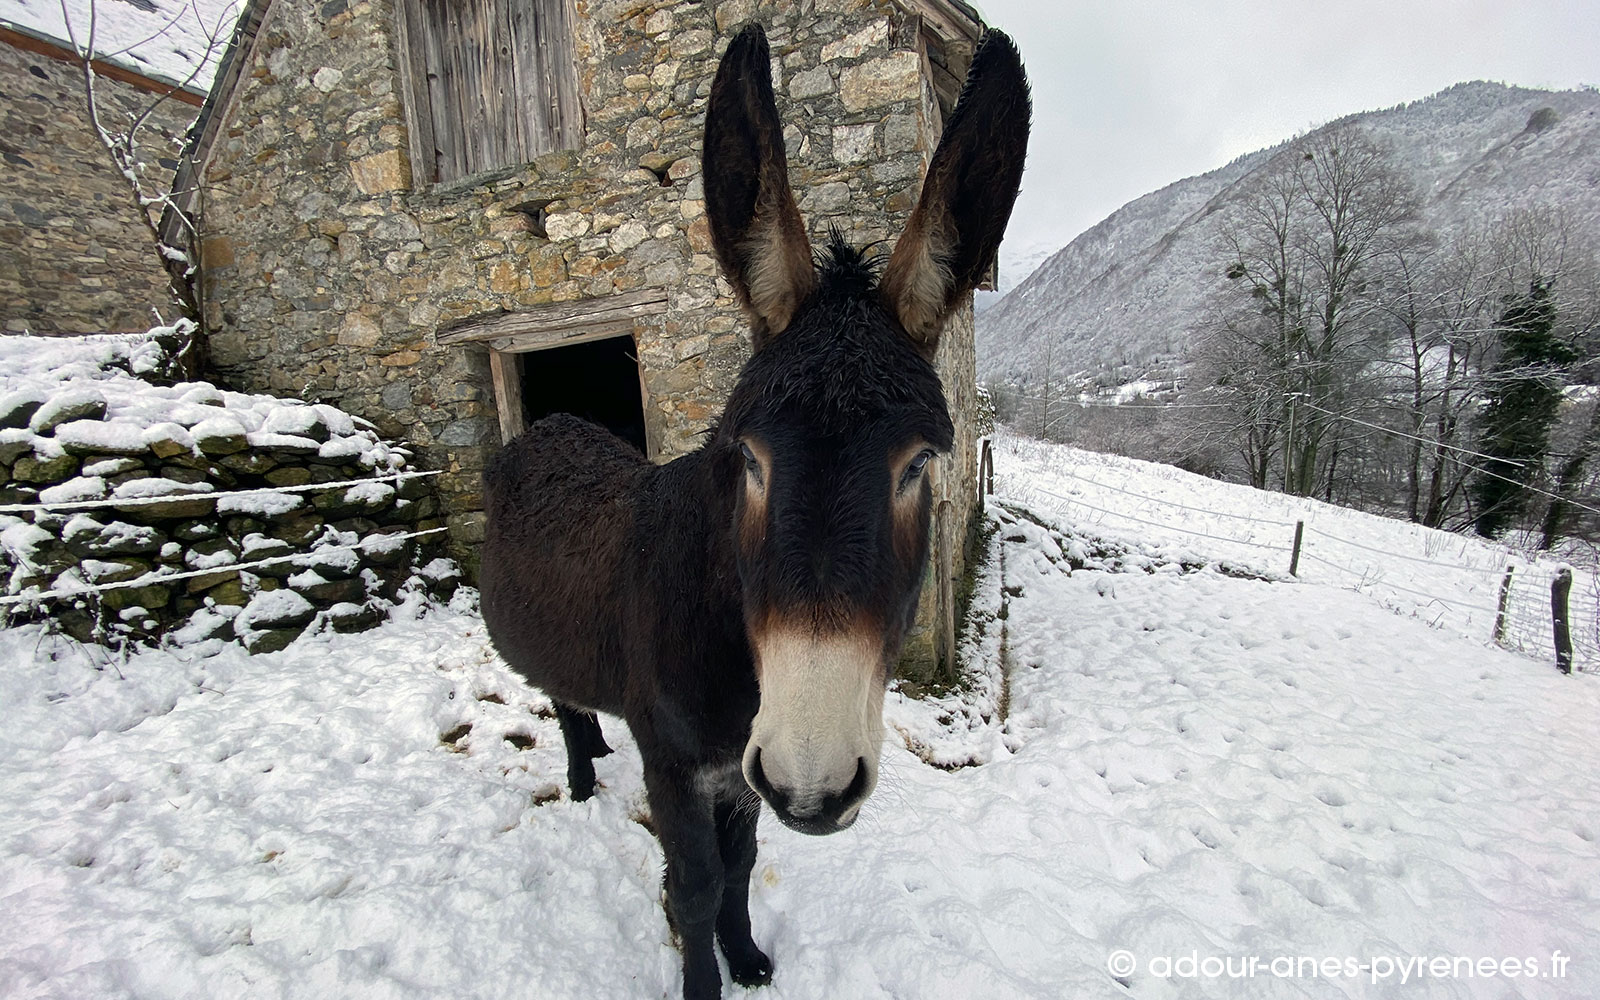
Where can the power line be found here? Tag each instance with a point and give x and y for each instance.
(1409, 437)
(1481, 471)
(1174, 503)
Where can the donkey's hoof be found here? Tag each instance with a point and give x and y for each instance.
(748, 965)
(582, 792)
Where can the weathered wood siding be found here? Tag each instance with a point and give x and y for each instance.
(489, 83)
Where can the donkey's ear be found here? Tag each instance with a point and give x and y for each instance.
(953, 234)
(755, 225)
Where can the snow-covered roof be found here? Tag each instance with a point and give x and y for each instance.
(175, 41)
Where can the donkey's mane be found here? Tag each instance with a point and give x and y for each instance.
(845, 270)
(843, 362)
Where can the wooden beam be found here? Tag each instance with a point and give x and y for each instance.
(111, 71)
(948, 19)
(411, 58)
(506, 370)
(558, 322)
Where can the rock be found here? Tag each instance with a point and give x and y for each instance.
(810, 83)
(276, 609)
(270, 640)
(66, 406)
(229, 592)
(113, 571)
(33, 468)
(252, 462)
(332, 591)
(86, 536)
(196, 584)
(98, 437)
(13, 443)
(894, 77)
(219, 436)
(382, 172)
(289, 475)
(152, 597)
(195, 530)
(17, 408)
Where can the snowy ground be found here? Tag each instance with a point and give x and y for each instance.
(1196, 766)
(1448, 580)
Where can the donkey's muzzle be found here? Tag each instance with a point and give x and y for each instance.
(817, 815)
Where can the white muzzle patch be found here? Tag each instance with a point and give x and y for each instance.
(820, 723)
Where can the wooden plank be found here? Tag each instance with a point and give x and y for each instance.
(559, 321)
(506, 371)
(411, 57)
(568, 97)
(951, 22)
(604, 330)
(525, 71)
(447, 136)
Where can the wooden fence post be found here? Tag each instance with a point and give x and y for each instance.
(985, 471)
(1560, 591)
(1500, 612)
(1294, 556)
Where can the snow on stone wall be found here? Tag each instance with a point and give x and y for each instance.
(112, 479)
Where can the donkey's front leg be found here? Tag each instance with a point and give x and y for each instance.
(736, 839)
(688, 834)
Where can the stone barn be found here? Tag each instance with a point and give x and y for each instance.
(75, 254)
(455, 216)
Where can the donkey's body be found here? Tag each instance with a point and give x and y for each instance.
(742, 607)
(613, 595)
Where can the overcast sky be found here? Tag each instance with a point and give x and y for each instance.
(1131, 95)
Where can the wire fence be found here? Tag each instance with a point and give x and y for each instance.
(80, 589)
(1489, 591)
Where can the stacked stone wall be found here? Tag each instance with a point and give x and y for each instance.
(75, 257)
(110, 481)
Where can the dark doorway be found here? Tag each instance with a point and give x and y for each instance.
(597, 380)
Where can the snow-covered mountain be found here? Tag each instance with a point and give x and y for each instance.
(1128, 290)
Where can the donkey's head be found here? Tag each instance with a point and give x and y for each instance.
(827, 439)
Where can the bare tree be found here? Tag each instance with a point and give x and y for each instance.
(1306, 248)
(124, 133)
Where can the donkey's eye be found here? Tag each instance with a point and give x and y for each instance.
(915, 468)
(749, 457)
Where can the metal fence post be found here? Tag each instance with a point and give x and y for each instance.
(1560, 592)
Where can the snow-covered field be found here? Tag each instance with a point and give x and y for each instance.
(1448, 580)
(1233, 774)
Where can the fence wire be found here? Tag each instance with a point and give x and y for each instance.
(1525, 625)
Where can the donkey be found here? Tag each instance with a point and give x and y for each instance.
(742, 607)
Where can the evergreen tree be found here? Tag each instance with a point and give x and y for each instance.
(1523, 401)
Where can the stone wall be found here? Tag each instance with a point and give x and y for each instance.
(110, 480)
(329, 269)
(74, 255)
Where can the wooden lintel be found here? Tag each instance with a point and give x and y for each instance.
(523, 343)
(558, 322)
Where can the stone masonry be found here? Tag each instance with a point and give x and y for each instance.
(329, 270)
(74, 255)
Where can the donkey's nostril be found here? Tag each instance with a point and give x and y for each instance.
(841, 802)
(758, 781)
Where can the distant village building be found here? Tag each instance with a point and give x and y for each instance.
(75, 255)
